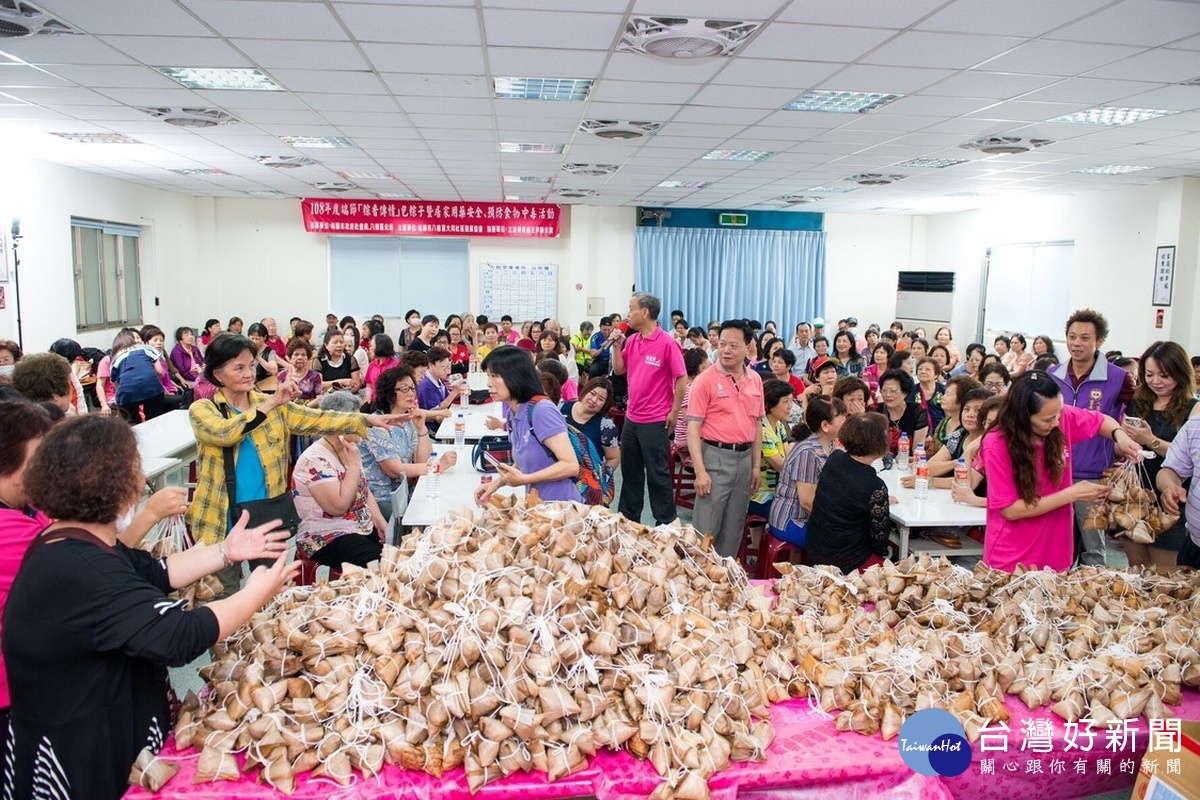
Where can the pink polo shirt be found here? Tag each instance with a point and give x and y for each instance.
(731, 410)
(652, 364)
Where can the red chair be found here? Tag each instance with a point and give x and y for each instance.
(618, 418)
(308, 571)
(765, 567)
(683, 478)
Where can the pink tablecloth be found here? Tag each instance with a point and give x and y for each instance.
(809, 759)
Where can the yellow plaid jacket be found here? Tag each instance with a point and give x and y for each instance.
(208, 514)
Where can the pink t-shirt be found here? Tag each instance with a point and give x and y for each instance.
(17, 531)
(653, 364)
(1046, 540)
(570, 390)
(104, 370)
(376, 368)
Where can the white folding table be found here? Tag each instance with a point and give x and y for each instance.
(937, 510)
(456, 490)
(475, 418)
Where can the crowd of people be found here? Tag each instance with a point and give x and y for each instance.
(793, 428)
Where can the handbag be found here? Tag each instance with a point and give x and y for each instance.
(499, 447)
(281, 507)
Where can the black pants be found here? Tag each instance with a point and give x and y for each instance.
(1189, 554)
(354, 548)
(645, 459)
(149, 408)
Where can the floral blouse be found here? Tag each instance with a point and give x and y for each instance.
(309, 384)
(316, 465)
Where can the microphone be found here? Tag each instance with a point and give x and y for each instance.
(16, 227)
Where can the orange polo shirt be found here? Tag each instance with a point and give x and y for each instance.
(731, 410)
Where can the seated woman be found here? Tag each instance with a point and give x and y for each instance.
(10, 354)
(173, 395)
(1030, 490)
(943, 337)
(850, 361)
(460, 349)
(928, 391)
(588, 417)
(941, 355)
(815, 439)
(1022, 360)
(338, 368)
(266, 363)
(881, 356)
(44, 378)
(550, 364)
(901, 414)
(235, 325)
(995, 378)
(973, 361)
(186, 356)
(390, 457)
(777, 404)
(81, 370)
(695, 361)
(383, 356)
(340, 522)
(308, 381)
(211, 329)
(946, 458)
(782, 361)
(362, 349)
(824, 373)
(851, 521)
(88, 619)
(854, 393)
(542, 453)
(434, 396)
(951, 424)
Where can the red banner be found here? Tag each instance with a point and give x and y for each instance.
(430, 218)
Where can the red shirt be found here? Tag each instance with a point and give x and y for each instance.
(278, 345)
(731, 410)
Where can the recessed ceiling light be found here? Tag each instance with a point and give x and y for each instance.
(591, 170)
(1109, 169)
(366, 176)
(525, 179)
(520, 147)
(874, 179)
(191, 117)
(196, 172)
(736, 155)
(521, 198)
(841, 102)
(931, 163)
(265, 193)
(252, 80)
(395, 195)
(97, 138)
(799, 199)
(1112, 116)
(575, 192)
(542, 88)
(334, 186)
(317, 141)
(682, 185)
(285, 162)
(831, 189)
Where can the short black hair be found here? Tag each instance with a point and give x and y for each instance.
(428, 318)
(775, 390)
(384, 346)
(692, 359)
(737, 325)
(437, 354)
(410, 312)
(789, 358)
(901, 376)
(973, 346)
(385, 387)
(865, 434)
(506, 318)
(223, 348)
(677, 313)
(513, 366)
(181, 330)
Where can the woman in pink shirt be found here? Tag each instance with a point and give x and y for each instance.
(1026, 458)
(383, 357)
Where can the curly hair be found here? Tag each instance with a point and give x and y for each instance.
(20, 423)
(1028, 393)
(1172, 361)
(385, 387)
(42, 376)
(87, 469)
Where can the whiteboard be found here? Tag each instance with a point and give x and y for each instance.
(388, 275)
(524, 291)
(1028, 288)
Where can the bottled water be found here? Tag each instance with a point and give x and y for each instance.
(962, 475)
(922, 478)
(902, 456)
(432, 470)
(464, 399)
(919, 451)
(460, 429)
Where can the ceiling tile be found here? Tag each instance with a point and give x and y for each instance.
(509, 28)
(1163, 66)
(247, 99)
(709, 9)
(21, 75)
(860, 12)
(1027, 111)
(1028, 18)
(425, 58)
(993, 85)
(544, 63)
(329, 81)
(892, 80)
(147, 17)
(1092, 91)
(60, 96)
(814, 42)
(795, 75)
(1046, 57)
(638, 92)
(125, 77)
(291, 54)
(744, 97)
(413, 24)
(1140, 22)
(64, 50)
(268, 19)
(944, 50)
(347, 102)
(437, 86)
(922, 106)
(1176, 98)
(637, 67)
(710, 114)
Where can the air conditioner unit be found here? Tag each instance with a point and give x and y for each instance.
(676, 38)
(191, 117)
(591, 170)
(18, 20)
(618, 129)
(924, 299)
(874, 179)
(1005, 145)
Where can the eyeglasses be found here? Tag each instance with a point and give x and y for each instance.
(405, 388)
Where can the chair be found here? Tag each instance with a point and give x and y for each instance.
(683, 478)
(775, 546)
(618, 418)
(308, 571)
(399, 505)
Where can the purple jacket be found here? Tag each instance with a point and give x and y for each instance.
(1099, 392)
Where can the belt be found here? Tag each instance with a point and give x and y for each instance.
(738, 447)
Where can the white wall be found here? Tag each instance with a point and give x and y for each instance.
(863, 254)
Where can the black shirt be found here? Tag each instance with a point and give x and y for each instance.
(850, 519)
(341, 372)
(419, 345)
(912, 420)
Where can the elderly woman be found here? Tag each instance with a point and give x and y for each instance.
(587, 418)
(10, 354)
(340, 522)
(89, 629)
(390, 457)
(296, 370)
(255, 427)
(777, 405)
(186, 356)
(44, 378)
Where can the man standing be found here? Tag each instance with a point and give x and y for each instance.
(657, 380)
(581, 343)
(725, 411)
(803, 349)
(273, 340)
(1088, 381)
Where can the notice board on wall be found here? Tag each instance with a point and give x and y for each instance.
(525, 291)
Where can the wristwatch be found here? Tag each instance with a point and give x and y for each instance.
(1154, 445)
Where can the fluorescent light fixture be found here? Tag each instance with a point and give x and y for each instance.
(366, 176)
(542, 88)
(520, 147)
(1112, 116)
(835, 102)
(525, 179)
(284, 162)
(197, 172)
(334, 186)
(1109, 169)
(317, 141)
(830, 189)
(266, 193)
(395, 195)
(251, 80)
(682, 185)
(97, 138)
(736, 155)
(931, 163)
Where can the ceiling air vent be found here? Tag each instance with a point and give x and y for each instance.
(591, 170)
(331, 186)
(676, 38)
(575, 194)
(285, 162)
(874, 179)
(1005, 145)
(19, 19)
(618, 129)
(798, 199)
(191, 117)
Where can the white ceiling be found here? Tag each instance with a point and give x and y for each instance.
(410, 85)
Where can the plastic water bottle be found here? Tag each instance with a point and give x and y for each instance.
(474, 365)
(902, 455)
(464, 399)
(962, 475)
(921, 484)
(460, 429)
(919, 451)
(432, 470)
